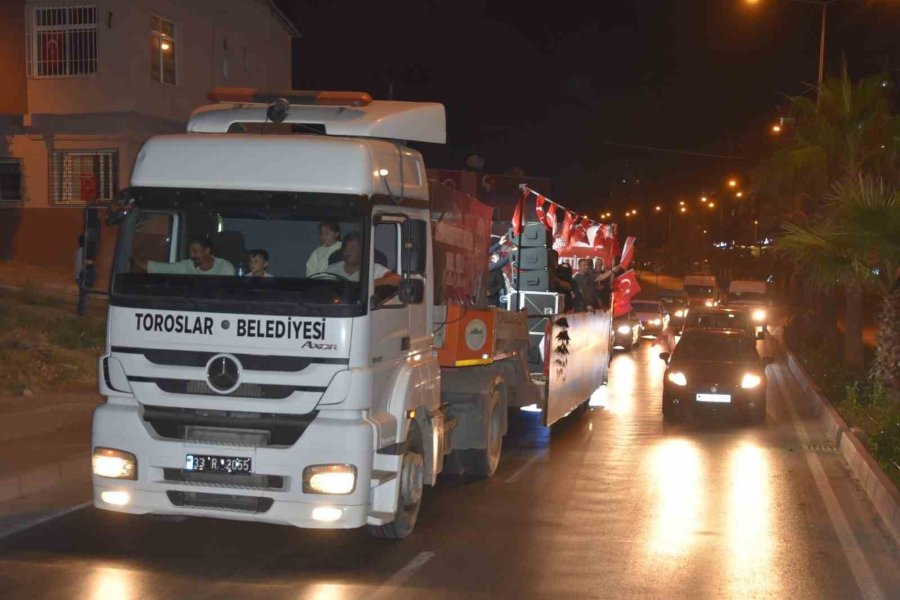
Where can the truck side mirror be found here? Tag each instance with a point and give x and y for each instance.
(665, 356)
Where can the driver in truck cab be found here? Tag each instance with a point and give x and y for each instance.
(349, 267)
(200, 261)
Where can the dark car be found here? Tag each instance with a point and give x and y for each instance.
(627, 330)
(715, 370)
(722, 318)
(676, 303)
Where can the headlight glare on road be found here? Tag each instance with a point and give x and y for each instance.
(678, 378)
(624, 329)
(750, 381)
(334, 480)
(759, 315)
(114, 464)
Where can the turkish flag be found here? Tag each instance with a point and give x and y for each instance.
(626, 287)
(540, 212)
(517, 214)
(52, 53)
(568, 223)
(627, 252)
(552, 222)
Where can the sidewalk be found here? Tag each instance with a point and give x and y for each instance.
(45, 443)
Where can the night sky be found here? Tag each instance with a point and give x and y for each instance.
(561, 92)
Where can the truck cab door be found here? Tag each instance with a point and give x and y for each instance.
(390, 341)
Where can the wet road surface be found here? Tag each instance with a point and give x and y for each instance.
(612, 504)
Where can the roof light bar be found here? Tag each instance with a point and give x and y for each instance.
(302, 97)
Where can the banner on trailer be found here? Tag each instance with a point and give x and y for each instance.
(578, 363)
(461, 240)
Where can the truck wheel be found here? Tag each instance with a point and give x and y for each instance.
(482, 462)
(412, 482)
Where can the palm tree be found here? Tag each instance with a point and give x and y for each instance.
(856, 245)
(851, 132)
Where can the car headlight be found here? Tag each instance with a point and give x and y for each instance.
(679, 313)
(678, 378)
(750, 381)
(624, 329)
(655, 321)
(710, 303)
(759, 315)
(329, 479)
(114, 464)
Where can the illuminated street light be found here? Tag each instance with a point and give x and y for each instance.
(683, 209)
(732, 183)
(776, 129)
(740, 194)
(681, 203)
(712, 205)
(658, 208)
(165, 46)
(704, 199)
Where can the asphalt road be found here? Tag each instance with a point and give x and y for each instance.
(612, 504)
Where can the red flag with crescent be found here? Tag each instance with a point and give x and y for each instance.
(540, 212)
(627, 252)
(568, 224)
(518, 215)
(626, 287)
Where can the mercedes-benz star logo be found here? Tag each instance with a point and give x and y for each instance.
(223, 373)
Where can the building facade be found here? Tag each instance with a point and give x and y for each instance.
(86, 83)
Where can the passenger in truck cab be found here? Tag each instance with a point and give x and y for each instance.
(330, 240)
(259, 264)
(200, 261)
(350, 266)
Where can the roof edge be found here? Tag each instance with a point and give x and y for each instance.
(282, 19)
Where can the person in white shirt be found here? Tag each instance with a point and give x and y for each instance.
(200, 262)
(329, 237)
(259, 264)
(349, 268)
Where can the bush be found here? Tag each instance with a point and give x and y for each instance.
(868, 406)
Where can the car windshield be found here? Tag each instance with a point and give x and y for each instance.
(645, 306)
(716, 347)
(255, 248)
(698, 290)
(747, 296)
(718, 320)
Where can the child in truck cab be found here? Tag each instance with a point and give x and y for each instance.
(259, 264)
(330, 239)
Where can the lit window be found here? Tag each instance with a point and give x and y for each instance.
(162, 50)
(62, 40)
(10, 181)
(78, 176)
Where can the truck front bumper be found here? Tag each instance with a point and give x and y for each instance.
(275, 493)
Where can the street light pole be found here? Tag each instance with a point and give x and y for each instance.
(822, 53)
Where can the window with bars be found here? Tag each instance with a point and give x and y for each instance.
(162, 50)
(78, 176)
(62, 40)
(10, 181)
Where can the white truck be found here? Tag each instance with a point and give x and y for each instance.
(320, 400)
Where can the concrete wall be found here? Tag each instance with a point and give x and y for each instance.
(13, 99)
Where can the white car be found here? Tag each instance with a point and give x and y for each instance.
(753, 296)
(653, 315)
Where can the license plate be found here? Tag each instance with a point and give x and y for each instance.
(204, 463)
(719, 398)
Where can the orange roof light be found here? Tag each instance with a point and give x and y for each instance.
(307, 97)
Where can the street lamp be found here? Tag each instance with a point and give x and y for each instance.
(732, 183)
(776, 128)
(740, 194)
(824, 4)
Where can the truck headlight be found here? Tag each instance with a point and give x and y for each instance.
(656, 321)
(624, 329)
(114, 464)
(710, 303)
(750, 381)
(334, 480)
(678, 378)
(759, 315)
(679, 313)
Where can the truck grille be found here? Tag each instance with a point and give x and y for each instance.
(250, 362)
(247, 482)
(230, 502)
(245, 428)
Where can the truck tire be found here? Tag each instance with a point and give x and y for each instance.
(412, 483)
(482, 462)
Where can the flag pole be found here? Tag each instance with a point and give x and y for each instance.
(521, 225)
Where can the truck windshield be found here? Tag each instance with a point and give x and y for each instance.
(240, 251)
(698, 290)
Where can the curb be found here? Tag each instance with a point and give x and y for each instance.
(39, 479)
(880, 490)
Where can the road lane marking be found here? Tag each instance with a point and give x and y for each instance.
(45, 519)
(523, 468)
(389, 588)
(859, 566)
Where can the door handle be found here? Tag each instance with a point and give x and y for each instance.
(404, 343)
